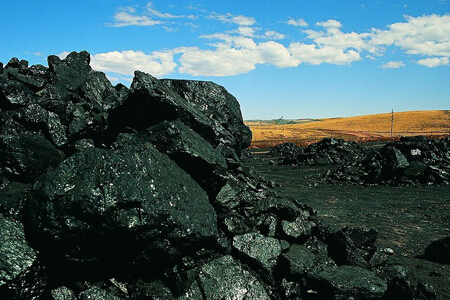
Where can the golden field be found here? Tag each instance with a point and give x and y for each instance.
(361, 128)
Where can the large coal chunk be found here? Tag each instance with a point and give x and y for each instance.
(225, 278)
(14, 94)
(16, 256)
(12, 199)
(26, 156)
(214, 101)
(352, 246)
(72, 71)
(87, 95)
(119, 207)
(347, 282)
(191, 152)
(297, 261)
(400, 288)
(263, 250)
(204, 107)
(439, 251)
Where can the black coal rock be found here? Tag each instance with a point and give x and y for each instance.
(285, 149)
(26, 156)
(134, 204)
(152, 101)
(439, 251)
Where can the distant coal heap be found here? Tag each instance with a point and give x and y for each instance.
(411, 161)
(109, 192)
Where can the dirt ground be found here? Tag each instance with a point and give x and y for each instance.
(407, 219)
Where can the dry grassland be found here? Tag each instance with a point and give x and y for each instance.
(362, 128)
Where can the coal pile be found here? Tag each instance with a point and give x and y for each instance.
(410, 161)
(285, 149)
(328, 151)
(109, 192)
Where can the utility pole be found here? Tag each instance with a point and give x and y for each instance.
(392, 122)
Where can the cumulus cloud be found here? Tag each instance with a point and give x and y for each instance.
(125, 18)
(157, 63)
(297, 22)
(243, 47)
(151, 8)
(393, 65)
(244, 30)
(276, 54)
(425, 35)
(313, 54)
(334, 37)
(330, 24)
(270, 34)
(230, 18)
(220, 62)
(433, 62)
(149, 16)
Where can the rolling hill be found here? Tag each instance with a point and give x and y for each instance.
(361, 128)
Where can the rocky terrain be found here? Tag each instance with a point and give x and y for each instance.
(109, 192)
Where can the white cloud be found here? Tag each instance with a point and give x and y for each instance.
(126, 62)
(230, 41)
(238, 55)
(124, 18)
(334, 37)
(159, 14)
(393, 65)
(245, 31)
(330, 24)
(221, 62)
(276, 54)
(153, 11)
(150, 16)
(235, 55)
(245, 46)
(433, 62)
(426, 35)
(298, 22)
(230, 18)
(312, 54)
(270, 34)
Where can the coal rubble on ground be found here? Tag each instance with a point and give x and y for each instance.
(139, 193)
(410, 161)
(329, 151)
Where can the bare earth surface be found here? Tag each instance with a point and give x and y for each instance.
(407, 219)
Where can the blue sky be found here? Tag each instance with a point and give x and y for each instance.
(296, 59)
